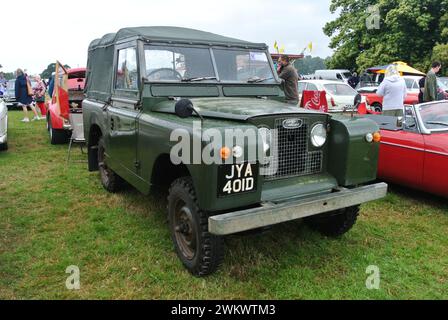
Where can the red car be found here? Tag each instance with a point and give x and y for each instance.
(416, 153)
(412, 85)
(68, 94)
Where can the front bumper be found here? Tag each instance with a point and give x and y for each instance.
(270, 213)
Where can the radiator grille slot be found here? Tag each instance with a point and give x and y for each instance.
(293, 156)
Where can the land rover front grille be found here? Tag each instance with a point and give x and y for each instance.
(293, 157)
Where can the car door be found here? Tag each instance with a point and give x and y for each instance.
(122, 114)
(60, 92)
(402, 153)
(435, 179)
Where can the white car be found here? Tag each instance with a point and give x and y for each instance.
(3, 125)
(340, 96)
(333, 74)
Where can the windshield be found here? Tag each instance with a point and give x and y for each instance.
(243, 66)
(347, 75)
(340, 90)
(435, 115)
(442, 85)
(444, 80)
(166, 63)
(177, 63)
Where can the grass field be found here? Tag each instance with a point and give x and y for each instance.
(53, 216)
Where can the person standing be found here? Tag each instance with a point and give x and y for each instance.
(431, 87)
(393, 89)
(39, 96)
(23, 98)
(421, 84)
(290, 80)
(353, 81)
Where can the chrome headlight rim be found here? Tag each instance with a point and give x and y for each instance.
(319, 135)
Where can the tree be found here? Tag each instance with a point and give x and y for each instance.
(440, 53)
(309, 64)
(46, 74)
(408, 31)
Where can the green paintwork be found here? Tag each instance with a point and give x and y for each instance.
(137, 133)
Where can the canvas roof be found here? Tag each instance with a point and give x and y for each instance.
(173, 34)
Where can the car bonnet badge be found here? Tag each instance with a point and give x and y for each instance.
(292, 123)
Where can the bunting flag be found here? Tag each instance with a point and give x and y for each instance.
(276, 46)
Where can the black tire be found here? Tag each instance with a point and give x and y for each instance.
(4, 146)
(109, 179)
(334, 224)
(377, 107)
(57, 136)
(200, 252)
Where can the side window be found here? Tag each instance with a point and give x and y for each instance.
(311, 87)
(410, 123)
(302, 86)
(127, 75)
(339, 76)
(416, 85)
(409, 83)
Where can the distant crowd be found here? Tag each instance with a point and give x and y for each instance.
(29, 94)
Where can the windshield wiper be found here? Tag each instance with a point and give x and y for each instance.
(198, 79)
(440, 123)
(258, 80)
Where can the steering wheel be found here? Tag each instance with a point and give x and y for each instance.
(176, 75)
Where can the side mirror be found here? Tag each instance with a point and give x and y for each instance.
(400, 122)
(358, 100)
(184, 108)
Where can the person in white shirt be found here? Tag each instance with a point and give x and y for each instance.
(393, 89)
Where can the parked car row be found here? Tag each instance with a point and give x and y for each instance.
(146, 83)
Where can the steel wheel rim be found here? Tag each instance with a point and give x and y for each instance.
(102, 165)
(184, 230)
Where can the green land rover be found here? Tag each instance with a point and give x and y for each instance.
(204, 116)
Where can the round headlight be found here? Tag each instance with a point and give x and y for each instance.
(266, 137)
(318, 135)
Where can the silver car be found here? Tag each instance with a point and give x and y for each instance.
(3, 125)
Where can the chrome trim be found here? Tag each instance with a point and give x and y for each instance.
(402, 146)
(413, 148)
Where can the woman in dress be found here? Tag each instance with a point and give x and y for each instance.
(23, 95)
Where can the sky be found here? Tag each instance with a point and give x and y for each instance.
(48, 30)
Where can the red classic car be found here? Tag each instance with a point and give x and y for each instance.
(415, 153)
(68, 94)
(412, 84)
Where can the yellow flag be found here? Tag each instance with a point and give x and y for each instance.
(276, 46)
(310, 47)
(282, 49)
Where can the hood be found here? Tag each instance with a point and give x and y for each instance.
(235, 108)
(393, 79)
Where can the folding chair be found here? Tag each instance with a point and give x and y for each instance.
(77, 136)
